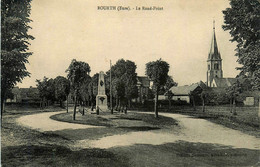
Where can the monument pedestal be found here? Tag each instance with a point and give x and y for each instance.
(101, 99)
(101, 102)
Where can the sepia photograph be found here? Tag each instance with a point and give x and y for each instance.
(130, 83)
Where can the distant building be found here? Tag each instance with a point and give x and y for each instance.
(143, 85)
(24, 95)
(187, 92)
(214, 62)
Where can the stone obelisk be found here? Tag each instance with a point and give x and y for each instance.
(101, 99)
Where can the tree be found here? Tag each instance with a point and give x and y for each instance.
(93, 89)
(168, 85)
(124, 81)
(14, 43)
(84, 95)
(130, 80)
(46, 90)
(62, 89)
(77, 72)
(157, 71)
(204, 96)
(242, 20)
(233, 92)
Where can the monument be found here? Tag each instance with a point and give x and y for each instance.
(101, 99)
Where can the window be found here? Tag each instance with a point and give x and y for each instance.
(208, 67)
(216, 67)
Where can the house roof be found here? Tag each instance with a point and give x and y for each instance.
(143, 80)
(26, 92)
(184, 90)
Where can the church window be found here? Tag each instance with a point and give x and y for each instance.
(216, 67)
(208, 67)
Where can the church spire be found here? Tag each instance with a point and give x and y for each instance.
(214, 61)
(213, 53)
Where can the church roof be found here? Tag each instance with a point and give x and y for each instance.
(213, 52)
(226, 82)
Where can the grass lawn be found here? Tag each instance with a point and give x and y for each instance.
(246, 119)
(111, 124)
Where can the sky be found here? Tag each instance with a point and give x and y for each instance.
(180, 34)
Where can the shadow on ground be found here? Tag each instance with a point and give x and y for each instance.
(53, 155)
(188, 154)
(169, 154)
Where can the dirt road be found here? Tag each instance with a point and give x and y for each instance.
(191, 130)
(42, 122)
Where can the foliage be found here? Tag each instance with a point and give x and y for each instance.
(157, 71)
(14, 42)
(168, 85)
(9, 94)
(84, 89)
(242, 20)
(62, 88)
(78, 73)
(124, 79)
(46, 89)
(93, 85)
(234, 90)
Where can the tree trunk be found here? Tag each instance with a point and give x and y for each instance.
(75, 107)
(61, 103)
(67, 103)
(89, 102)
(230, 105)
(119, 101)
(126, 109)
(2, 109)
(129, 103)
(193, 101)
(116, 104)
(4, 106)
(169, 100)
(156, 105)
(203, 105)
(111, 104)
(234, 107)
(97, 110)
(83, 110)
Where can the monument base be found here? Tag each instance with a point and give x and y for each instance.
(101, 102)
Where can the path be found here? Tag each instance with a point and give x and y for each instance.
(191, 130)
(42, 122)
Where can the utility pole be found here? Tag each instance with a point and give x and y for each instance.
(111, 100)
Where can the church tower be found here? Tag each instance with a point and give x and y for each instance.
(214, 61)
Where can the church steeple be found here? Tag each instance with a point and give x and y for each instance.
(214, 61)
(213, 52)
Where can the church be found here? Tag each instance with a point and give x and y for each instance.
(214, 68)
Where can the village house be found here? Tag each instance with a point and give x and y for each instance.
(21, 95)
(187, 92)
(143, 85)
